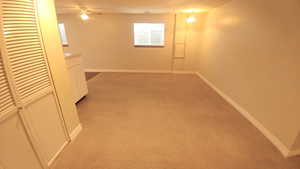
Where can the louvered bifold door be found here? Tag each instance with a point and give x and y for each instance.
(16, 151)
(27, 62)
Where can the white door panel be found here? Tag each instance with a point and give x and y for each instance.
(16, 150)
(44, 120)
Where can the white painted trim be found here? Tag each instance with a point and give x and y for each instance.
(76, 132)
(137, 71)
(57, 153)
(293, 153)
(127, 71)
(275, 140)
(73, 136)
(183, 72)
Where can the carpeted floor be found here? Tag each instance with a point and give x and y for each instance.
(164, 121)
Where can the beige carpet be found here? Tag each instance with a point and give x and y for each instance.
(165, 121)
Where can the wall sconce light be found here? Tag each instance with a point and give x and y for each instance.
(191, 19)
(84, 15)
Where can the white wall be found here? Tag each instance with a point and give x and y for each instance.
(190, 34)
(250, 51)
(106, 42)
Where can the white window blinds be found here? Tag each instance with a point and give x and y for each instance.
(149, 34)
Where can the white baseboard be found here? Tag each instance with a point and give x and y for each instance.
(293, 153)
(137, 71)
(73, 136)
(126, 71)
(276, 142)
(57, 153)
(76, 132)
(183, 72)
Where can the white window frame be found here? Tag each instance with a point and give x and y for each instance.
(135, 42)
(63, 34)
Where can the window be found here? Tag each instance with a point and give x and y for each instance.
(63, 35)
(149, 34)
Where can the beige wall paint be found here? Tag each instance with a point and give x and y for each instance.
(250, 51)
(194, 31)
(188, 33)
(54, 51)
(106, 42)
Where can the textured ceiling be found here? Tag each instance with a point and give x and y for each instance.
(135, 6)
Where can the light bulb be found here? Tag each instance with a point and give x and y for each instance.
(84, 16)
(191, 19)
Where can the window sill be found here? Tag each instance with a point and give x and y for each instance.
(147, 46)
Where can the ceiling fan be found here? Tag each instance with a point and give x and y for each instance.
(79, 9)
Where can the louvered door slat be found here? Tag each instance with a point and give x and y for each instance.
(28, 66)
(14, 15)
(3, 83)
(23, 45)
(32, 74)
(18, 33)
(19, 29)
(22, 75)
(25, 54)
(11, 35)
(6, 100)
(24, 58)
(1, 78)
(15, 12)
(22, 41)
(27, 89)
(5, 96)
(5, 104)
(24, 51)
(34, 89)
(13, 48)
(19, 19)
(21, 13)
(3, 88)
(27, 60)
(18, 26)
(17, 22)
(36, 57)
(16, 7)
(17, 3)
(31, 1)
(33, 80)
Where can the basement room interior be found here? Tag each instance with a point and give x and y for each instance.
(149, 84)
